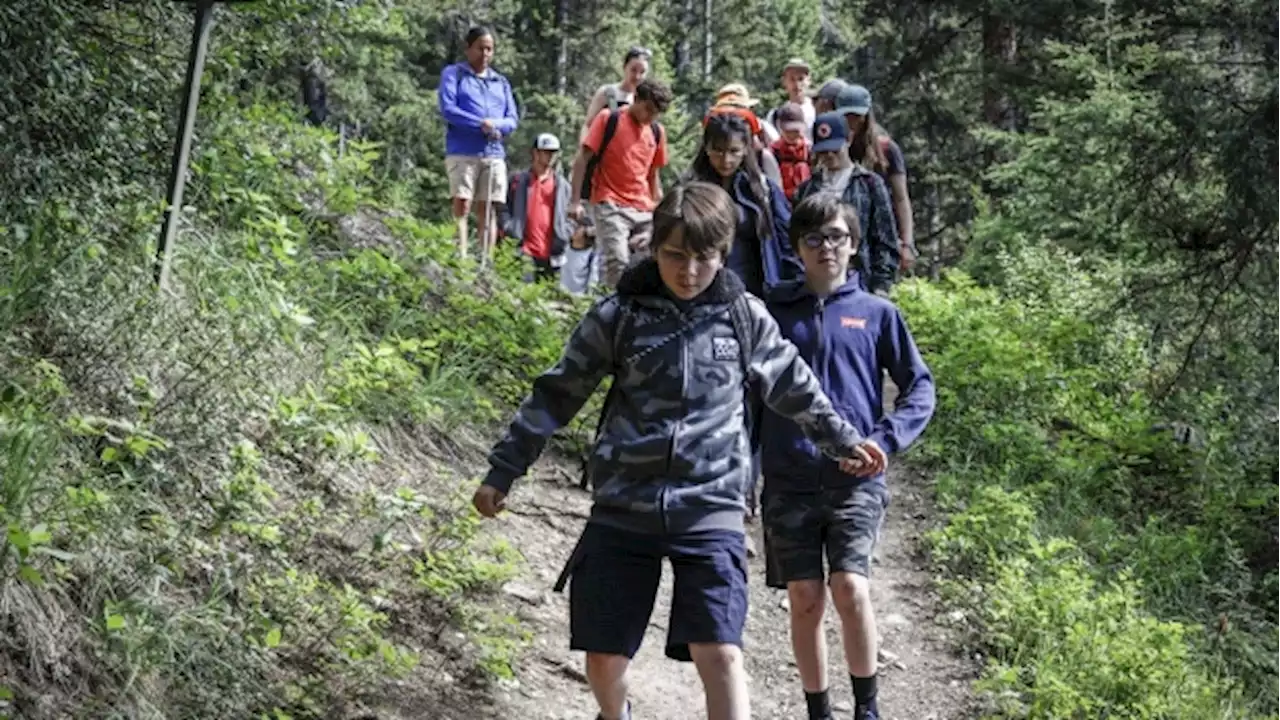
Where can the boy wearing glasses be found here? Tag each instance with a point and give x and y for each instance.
(685, 343)
(810, 509)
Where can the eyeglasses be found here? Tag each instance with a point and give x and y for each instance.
(736, 153)
(836, 239)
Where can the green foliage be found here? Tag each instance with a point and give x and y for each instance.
(193, 486)
(176, 497)
(1094, 552)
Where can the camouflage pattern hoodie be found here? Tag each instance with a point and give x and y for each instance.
(673, 455)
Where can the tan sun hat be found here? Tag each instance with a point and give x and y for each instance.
(798, 64)
(737, 95)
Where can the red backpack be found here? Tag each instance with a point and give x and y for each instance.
(793, 164)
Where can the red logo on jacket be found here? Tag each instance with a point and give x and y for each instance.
(856, 323)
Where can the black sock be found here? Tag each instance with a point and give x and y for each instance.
(819, 705)
(864, 694)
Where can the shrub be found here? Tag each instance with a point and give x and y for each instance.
(1092, 550)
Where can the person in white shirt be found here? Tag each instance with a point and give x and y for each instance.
(795, 80)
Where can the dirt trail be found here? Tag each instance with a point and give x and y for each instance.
(921, 680)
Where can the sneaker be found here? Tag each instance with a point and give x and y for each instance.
(870, 712)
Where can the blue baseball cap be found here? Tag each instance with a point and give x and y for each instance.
(853, 99)
(830, 90)
(830, 132)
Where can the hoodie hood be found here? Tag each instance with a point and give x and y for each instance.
(644, 280)
(794, 291)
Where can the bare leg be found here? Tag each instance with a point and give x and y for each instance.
(484, 228)
(724, 680)
(461, 206)
(607, 675)
(808, 642)
(852, 596)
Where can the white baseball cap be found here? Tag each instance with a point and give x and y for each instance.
(547, 141)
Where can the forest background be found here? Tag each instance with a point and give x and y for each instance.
(245, 496)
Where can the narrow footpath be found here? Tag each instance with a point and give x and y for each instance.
(921, 678)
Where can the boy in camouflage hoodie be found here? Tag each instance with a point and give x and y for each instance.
(684, 343)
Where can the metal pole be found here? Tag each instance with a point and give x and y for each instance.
(182, 149)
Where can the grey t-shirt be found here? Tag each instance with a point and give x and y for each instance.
(614, 96)
(894, 157)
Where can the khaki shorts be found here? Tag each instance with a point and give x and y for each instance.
(622, 237)
(476, 178)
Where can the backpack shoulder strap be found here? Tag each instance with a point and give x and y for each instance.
(610, 129)
(740, 314)
(656, 128)
(606, 407)
(625, 312)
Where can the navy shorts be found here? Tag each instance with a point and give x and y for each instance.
(614, 583)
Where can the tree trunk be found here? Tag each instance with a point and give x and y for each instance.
(999, 52)
(562, 55)
(683, 61)
(707, 39)
(932, 195)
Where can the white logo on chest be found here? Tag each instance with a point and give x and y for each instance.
(724, 348)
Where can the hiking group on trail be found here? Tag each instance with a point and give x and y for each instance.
(746, 334)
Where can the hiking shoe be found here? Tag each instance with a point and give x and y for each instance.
(871, 712)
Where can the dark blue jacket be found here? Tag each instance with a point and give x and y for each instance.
(777, 259)
(673, 457)
(466, 100)
(848, 339)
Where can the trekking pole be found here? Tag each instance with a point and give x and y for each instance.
(486, 246)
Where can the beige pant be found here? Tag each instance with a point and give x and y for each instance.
(622, 236)
(472, 178)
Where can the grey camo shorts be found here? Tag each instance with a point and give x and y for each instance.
(800, 527)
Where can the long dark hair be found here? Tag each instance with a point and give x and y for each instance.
(864, 148)
(721, 129)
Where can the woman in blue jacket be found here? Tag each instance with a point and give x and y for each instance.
(761, 255)
(480, 111)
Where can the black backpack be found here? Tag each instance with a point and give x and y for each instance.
(739, 314)
(611, 128)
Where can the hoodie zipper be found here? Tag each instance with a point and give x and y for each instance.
(662, 509)
(821, 364)
(483, 82)
(820, 355)
(684, 401)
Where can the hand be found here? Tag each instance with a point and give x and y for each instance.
(906, 255)
(875, 459)
(576, 211)
(486, 127)
(489, 501)
(868, 460)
